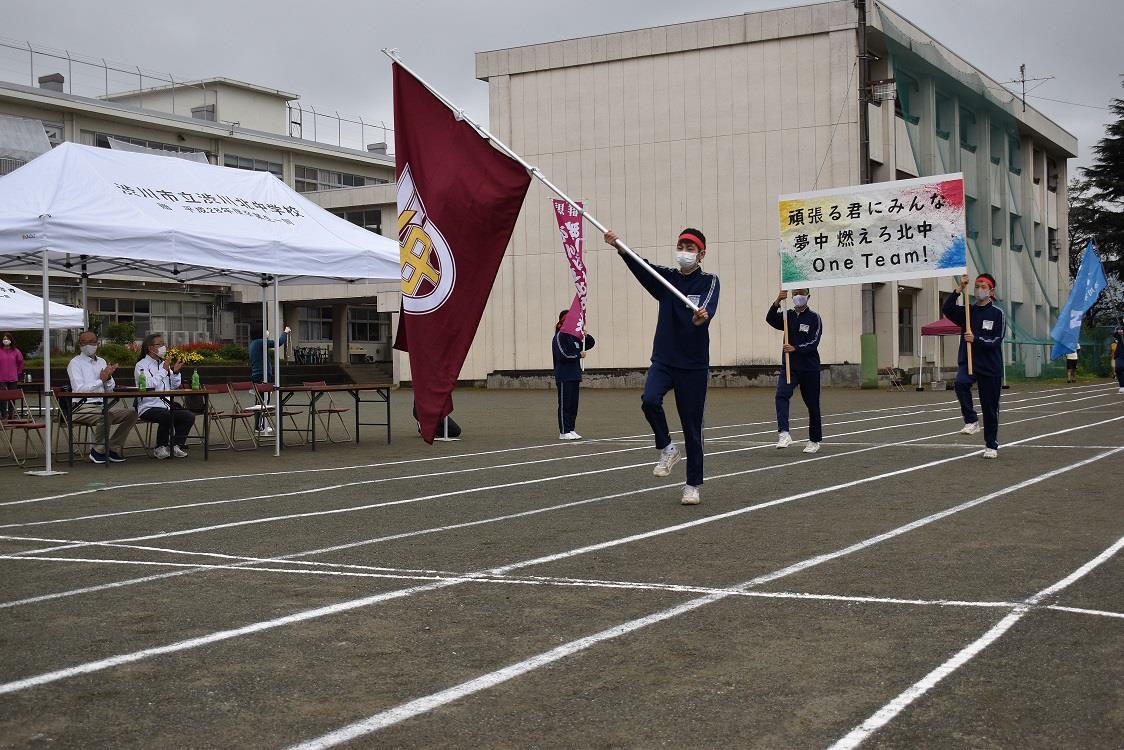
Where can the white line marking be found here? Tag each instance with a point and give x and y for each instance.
(888, 712)
(432, 530)
(1081, 611)
(1043, 394)
(427, 703)
(223, 635)
(471, 490)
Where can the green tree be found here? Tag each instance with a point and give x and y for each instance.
(1096, 212)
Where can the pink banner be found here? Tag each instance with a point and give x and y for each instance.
(570, 228)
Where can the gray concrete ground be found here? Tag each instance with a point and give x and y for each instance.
(513, 591)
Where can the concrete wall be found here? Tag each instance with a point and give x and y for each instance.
(699, 124)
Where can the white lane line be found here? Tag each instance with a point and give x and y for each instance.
(560, 581)
(936, 405)
(1083, 611)
(887, 713)
(345, 606)
(182, 506)
(432, 530)
(472, 490)
(427, 703)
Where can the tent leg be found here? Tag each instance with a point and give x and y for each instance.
(48, 444)
(276, 368)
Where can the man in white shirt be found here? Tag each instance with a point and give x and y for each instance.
(162, 375)
(89, 373)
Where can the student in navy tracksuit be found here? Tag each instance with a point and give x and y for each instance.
(803, 348)
(568, 354)
(680, 353)
(986, 337)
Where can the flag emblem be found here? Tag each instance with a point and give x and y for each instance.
(428, 270)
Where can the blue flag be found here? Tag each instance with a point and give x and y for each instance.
(1088, 285)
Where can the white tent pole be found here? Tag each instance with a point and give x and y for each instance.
(276, 368)
(85, 290)
(47, 440)
(535, 172)
(920, 362)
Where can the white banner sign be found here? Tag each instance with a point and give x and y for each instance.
(907, 229)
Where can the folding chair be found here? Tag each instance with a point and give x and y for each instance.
(235, 416)
(85, 436)
(893, 375)
(263, 391)
(8, 427)
(325, 414)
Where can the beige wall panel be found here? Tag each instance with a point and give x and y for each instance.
(724, 98)
(603, 107)
(709, 189)
(786, 21)
(631, 101)
(693, 181)
(632, 192)
(646, 100)
(823, 112)
(728, 198)
(741, 180)
(677, 159)
(771, 53)
(572, 130)
(755, 87)
(647, 189)
(676, 90)
(693, 121)
(802, 87)
(588, 106)
(662, 102)
(802, 19)
(762, 221)
(789, 93)
(616, 101)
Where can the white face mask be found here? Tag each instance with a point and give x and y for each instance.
(800, 300)
(89, 349)
(161, 351)
(7, 342)
(982, 294)
(685, 260)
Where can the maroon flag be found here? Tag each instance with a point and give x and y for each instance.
(458, 199)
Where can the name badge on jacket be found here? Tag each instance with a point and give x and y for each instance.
(987, 324)
(804, 328)
(695, 298)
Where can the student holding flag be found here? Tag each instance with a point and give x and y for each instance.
(1118, 356)
(568, 352)
(984, 334)
(680, 352)
(802, 352)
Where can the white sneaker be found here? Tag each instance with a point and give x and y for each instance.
(1120, 390)
(571, 435)
(162, 452)
(990, 453)
(563, 436)
(690, 495)
(265, 431)
(668, 458)
(179, 452)
(784, 440)
(812, 447)
(970, 428)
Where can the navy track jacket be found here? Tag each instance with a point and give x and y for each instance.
(679, 342)
(567, 351)
(988, 327)
(804, 332)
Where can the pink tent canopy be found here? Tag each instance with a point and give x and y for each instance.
(942, 327)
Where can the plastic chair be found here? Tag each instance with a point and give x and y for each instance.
(325, 413)
(894, 376)
(263, 391)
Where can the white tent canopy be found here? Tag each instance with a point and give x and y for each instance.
(140, 214)
(20, 310)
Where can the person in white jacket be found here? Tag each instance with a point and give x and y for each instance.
(91, 374)
(162, 375)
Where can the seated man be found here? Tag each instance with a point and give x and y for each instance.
(162, 375)
(89, 373)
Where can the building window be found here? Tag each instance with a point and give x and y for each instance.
(969, 138)
(54, 131)
(254, 165)
(315, 324)
(109, 310)
(206, 112)
(905, 323)
(312, 178)
(101, 140)
(367, 325)
(1014, 158)
(368, 218)
(181, 321)
(1052, 251)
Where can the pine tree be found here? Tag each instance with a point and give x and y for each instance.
(1096, 212)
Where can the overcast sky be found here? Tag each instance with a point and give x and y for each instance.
(328, 51)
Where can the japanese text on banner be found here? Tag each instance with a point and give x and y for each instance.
(907, 229)
(570, 229)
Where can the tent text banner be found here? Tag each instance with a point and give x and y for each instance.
(907, 229)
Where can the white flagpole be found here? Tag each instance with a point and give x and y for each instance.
(535, 172)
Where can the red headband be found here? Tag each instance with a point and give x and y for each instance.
(986, 280)
(691, 236)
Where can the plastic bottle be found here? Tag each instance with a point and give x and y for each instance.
(141, 384)
(195, 384)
